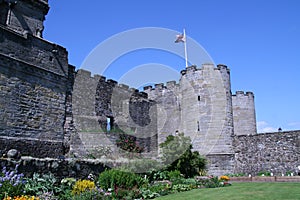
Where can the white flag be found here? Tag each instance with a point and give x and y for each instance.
(180, 38)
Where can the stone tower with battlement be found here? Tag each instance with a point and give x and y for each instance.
(200, 106)
(244, 113)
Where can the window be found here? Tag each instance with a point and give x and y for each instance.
(109, 123)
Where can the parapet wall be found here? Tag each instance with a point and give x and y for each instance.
(272, 152)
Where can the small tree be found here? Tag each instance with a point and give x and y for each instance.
(177, 155)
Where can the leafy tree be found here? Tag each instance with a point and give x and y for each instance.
(178, 155)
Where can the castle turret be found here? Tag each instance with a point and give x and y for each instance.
(244, 113)
(206, 114)
(24, 15)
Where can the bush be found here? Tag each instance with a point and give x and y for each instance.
(119, 179)
(178, 155)
(40, 184)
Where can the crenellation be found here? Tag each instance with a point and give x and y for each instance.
(183, 72)
(159, 86)
(111, 82)
(191, 68)
(99, 77)
(149, 87)
(171, 84)
(84, 73)
(239, 93)
(123, 86)
(133, 90)
(250, 94)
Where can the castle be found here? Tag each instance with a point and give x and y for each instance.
(48, 109)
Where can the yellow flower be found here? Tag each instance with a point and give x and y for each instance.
(224, 178)
(83, 185)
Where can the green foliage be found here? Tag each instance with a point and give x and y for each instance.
(178, 155)
(126, 194)
(40, 184)
(175, 174)
(161, 188)
(182, 187)
(160, 175)
(89, 195)
(264, 173)
(11, 183)
(114, 178)
(148, 194)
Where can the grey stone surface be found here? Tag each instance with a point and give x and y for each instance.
(273, 152)
(244, 113)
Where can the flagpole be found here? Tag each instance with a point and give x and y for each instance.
(185, 49)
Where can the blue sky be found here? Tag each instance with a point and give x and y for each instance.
(258, 40)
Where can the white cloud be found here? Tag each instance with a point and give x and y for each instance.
(264, 127)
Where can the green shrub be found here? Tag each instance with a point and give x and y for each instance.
(160, 175)
(211, 182)
(162, 188)
(126, 194)
(114, 178)
(40, 184)
(89, 195)
(175, 174)
(178, 155)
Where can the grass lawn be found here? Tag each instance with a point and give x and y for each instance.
(245, 191)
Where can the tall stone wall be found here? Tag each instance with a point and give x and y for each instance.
(273, 152)
(35, 78)
(244, 113)
(95, 100)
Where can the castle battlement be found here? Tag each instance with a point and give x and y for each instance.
(87, 75)
(242, 93)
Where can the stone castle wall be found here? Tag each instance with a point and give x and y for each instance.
(49, 110)
(34, 82)
(95, 100)
(273, 152)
